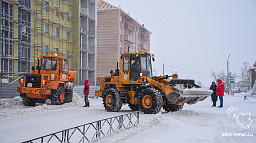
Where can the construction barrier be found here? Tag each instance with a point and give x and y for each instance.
(91, 131)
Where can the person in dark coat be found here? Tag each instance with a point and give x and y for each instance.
(220, 92)
(214, 96)
(86, 93)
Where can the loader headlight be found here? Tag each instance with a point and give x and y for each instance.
(43, 83)
(22, 82)
(141, 75)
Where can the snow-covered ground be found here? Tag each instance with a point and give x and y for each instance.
(198, 123)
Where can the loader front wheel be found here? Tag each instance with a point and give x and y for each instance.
(58, 96)
(112, 100)
(150, 101)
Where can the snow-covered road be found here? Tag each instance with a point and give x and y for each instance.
(199, 123)
(194, 123)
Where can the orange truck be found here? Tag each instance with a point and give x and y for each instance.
(51, 79)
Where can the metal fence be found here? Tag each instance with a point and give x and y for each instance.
(91, 131)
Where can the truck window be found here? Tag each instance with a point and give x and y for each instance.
(135, 68)
(64, 66)
(126, 64)
(146, 65)
(49, 63)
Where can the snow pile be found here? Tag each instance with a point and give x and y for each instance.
(13, 107)
(9, 103)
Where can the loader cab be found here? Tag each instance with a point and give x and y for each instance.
(49, 63)
(136, 65)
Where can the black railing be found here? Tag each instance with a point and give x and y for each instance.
(90, 131)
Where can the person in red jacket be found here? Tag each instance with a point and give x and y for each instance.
(86, 93)
(220, 92)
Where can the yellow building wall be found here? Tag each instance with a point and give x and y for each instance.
(39, 38)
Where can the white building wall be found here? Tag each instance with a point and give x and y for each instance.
(88, 54)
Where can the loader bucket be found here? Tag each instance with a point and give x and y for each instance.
(186, 91)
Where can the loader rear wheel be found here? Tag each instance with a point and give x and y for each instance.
(58, 96)
(28, 101)
(150, 101)
(112, 100)
(172, 107)
(134, 107)
(68, 95)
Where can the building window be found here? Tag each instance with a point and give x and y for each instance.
(56, 32)
(121, 18)
(67, 17)
(67, 35)
(44, 49)
(45, 27)
(121, 30)
(56, 13)
(45, 6)
(120, 44)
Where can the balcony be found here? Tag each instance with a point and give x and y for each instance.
(128, 39)
(142, 46)
(144, 36)
(129, 27)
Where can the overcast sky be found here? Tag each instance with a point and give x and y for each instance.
(196, 36)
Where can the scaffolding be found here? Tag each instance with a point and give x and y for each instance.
(30, 28)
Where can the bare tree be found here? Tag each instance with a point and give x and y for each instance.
(221, 75)
(245, 71)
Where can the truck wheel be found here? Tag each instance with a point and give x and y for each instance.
(150, 101)
(112, 100)
(172, 107)
(58, 96)
(134, 107)
(28, 101)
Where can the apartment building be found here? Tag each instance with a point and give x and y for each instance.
(88, 17)
(117, 32)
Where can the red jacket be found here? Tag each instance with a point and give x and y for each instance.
(86, 87)
(220, 88)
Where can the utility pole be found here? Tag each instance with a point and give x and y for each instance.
(228, 76)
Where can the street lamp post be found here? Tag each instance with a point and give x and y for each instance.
(228, 82)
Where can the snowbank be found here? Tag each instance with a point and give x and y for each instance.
(14, 106)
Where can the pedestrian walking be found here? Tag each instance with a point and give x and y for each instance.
(214, 96)
(86, 93)
(220, 92)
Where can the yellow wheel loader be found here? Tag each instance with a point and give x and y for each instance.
(51, 79)
(133, 84)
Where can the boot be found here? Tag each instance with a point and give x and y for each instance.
(86, 105)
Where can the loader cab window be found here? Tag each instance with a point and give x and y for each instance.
(49, 63)
(64, 66)
(146, 66)
(126, 64)
(135, 68)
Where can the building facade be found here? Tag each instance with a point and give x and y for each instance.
(252, 76)
(117, 32)
(30, 28)
(88, 50)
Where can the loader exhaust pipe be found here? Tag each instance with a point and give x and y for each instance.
(117, 70)
(38, 66)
